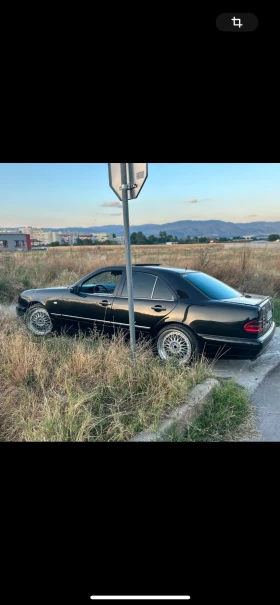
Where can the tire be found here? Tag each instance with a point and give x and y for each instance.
(38, 321)
(178, 342)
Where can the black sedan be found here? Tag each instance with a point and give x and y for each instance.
(184, 312)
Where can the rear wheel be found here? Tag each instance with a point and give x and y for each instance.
(177, 342)
(38, 320)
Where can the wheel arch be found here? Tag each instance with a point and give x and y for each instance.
(158, 328)
(35, 302)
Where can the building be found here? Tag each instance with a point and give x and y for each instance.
(67, 238)
(35, 242)
(101, 237)
(94, 237)
(83, 237)
(15, 241)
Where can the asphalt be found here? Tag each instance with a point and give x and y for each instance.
(251, 374)
(262, 380)
(266, 401)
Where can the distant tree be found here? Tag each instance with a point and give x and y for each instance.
(114, 235)
(273, 237)
(84, 242)
(111, 242)
(164, 237)
(138, 238)
(53, 244)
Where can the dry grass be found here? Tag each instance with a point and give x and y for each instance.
(229, 416)
(77, 389)
(247, 269)
(83, 389)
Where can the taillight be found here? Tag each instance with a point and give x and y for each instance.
(254, 326)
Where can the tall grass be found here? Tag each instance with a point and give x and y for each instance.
(247, 269)
(227, 417)
(83, 389)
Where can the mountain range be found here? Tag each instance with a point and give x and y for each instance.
(210, 228)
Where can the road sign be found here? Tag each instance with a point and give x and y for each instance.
(127, 180)
(136, 175)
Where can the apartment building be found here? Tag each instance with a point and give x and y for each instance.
(101, 237)
(66, 238)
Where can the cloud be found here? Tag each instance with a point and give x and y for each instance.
(252, 215)
(192, 202)
(111, 205)
(115, 214)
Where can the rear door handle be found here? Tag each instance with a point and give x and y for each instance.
(158, 308)
(105, 303)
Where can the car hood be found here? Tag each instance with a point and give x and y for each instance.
(45, 291)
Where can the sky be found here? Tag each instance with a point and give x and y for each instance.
(78, 195)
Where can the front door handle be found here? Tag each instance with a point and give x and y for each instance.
(105, 303)
(158, 308)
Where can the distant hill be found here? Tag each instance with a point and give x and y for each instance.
(210, 228)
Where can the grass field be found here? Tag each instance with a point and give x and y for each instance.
(84, 389)
(247, 269)
(88, 389)
(227, 417)
(277, 311)
(61, 389)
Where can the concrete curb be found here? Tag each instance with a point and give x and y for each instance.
(250, 374)
(181, 417)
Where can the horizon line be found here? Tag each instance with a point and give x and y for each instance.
(139, 224)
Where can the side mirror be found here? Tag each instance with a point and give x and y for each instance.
(74, 290)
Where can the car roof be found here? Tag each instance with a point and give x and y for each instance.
(154, 267)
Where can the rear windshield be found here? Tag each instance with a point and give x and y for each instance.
(210, 286)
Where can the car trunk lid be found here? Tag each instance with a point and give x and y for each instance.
(264, 306)
(266, 314)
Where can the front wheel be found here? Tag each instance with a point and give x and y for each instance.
(177, 342)
(38, 321)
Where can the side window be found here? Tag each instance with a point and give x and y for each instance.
(102, 283)
(162, 291)
(143, 284)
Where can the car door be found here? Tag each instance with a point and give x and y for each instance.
(153, 300)
(92, 304)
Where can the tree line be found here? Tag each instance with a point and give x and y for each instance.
(139, 239)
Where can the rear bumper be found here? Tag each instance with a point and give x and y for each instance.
(239, 347)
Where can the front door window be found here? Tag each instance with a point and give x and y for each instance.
(102, 283)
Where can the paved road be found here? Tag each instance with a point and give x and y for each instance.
(250, 374)
(266, 400)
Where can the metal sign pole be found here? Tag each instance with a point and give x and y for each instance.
(128, 258)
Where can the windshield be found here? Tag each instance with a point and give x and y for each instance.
(210, 286)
